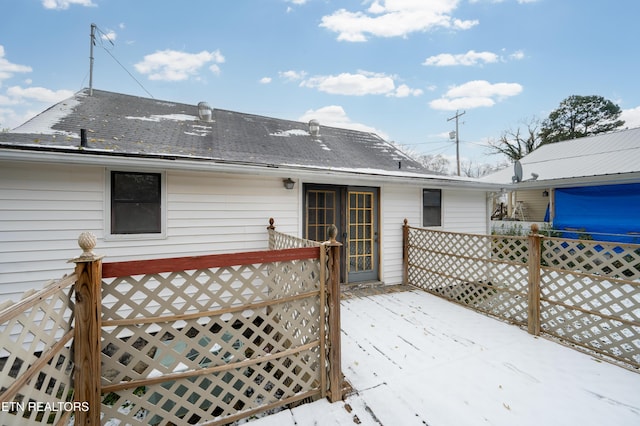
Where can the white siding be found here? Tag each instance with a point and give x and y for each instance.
(398, 202)
(44, 208)
(464, 211)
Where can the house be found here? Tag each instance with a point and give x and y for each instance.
(153, 178)
(590, 184)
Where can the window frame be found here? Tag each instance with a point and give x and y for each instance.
(439, 207)
(108, 206)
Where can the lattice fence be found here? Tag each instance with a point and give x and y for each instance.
(591, 295)
(588, 294)
(210, 345)
(280, 241)
(485, 272)
(36, 364)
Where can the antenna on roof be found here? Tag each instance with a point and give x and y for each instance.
(91, 44)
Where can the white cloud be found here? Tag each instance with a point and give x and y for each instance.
(467, 59)
(8, 69)
(394, 18)
(475, 94)
(360, 84)
(404, 91)
(351, 84)
(631, 117)
(516, 56)
(292, 75)
(64, 4)
(40, 94)
(335, 116)
(265, 80)
(110, 36)
(172, 65)
(20, 99)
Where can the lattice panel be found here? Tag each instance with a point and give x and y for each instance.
(617, 339)
(177, 293)
(216, 396)
(280, 241)
(47, 390)
(484, 272)
(606, 316)
(213, 326)
(510, 248)
(138, 352)
(613, 260)
(470, 245)
(28, 336)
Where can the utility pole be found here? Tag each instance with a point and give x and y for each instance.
(92, 42)
(458, 114)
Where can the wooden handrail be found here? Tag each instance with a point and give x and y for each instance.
(156, 266)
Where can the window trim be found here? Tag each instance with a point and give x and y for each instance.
(422, 218)
(108, 209)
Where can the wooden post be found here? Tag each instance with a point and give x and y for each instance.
(533, 309)
(333, 301)
(405, 252)
(88, 317)
(272, 237)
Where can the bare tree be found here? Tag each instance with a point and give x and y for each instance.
(517, 143)
(476, 170)
(435, 163)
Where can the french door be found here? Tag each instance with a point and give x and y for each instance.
(354, 210)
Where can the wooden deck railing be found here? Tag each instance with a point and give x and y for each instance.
(585, 293)
(206, 340)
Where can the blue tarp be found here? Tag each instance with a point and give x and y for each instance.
(610, 209)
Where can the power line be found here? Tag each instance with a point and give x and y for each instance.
(106, 36)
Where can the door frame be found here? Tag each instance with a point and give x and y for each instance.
(341, 222)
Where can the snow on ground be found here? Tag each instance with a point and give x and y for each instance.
(416, 359)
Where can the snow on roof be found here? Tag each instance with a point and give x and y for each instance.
(44, 123)
(600, 155)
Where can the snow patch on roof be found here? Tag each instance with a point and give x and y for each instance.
(158, 118)
(199, 130)
(43, 123)
(292, 132)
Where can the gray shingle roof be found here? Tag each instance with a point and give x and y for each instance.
(129, 125)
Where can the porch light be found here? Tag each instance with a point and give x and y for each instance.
(288, 183)
(545, 193)
(314, 127)
(204, 111)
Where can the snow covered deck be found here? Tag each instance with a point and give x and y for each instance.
(415, 359)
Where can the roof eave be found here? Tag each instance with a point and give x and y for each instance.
(168, 162)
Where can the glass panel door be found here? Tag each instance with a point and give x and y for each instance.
(362, 234)
(321, 212)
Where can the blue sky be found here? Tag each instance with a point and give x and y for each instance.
(400, 68)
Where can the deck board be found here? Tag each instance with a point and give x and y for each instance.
(416, 359)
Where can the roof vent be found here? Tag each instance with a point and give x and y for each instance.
(314, 127)
(204, 111)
